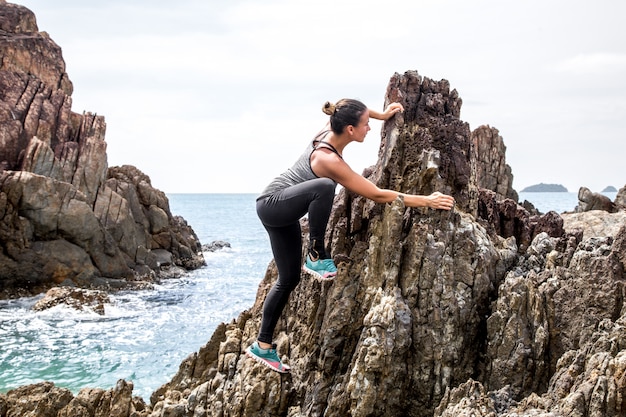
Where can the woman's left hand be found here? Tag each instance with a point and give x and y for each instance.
(440, 201)
(392, 109)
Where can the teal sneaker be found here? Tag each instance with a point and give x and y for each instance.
(267, 357)
(322, 268)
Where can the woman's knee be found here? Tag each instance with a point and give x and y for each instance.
(326, 187)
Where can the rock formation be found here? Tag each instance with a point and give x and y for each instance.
(620, 198)
(588, 200)
(66, 218)
(486, 310)
(492, 171)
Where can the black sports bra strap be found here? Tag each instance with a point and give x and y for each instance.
(322, 144)
(319, 143)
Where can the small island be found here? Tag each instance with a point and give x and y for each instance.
(610, 189)
(545, 188)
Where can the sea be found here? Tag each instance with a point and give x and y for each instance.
(144, 335)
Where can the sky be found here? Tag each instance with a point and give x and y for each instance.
(208, 96)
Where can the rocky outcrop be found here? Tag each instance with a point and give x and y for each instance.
(45, 399)
(66, 218)
(588, 200)
(430, 314)
(492, 171)
(620, 198)
(76, 298)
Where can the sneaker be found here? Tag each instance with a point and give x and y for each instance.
(267, 357)
(322, 268)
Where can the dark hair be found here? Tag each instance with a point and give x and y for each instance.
(344, 113)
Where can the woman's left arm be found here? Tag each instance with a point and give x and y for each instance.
(391, 109)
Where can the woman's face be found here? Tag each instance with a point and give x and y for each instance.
(361, 129)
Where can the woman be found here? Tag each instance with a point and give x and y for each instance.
(309, 187)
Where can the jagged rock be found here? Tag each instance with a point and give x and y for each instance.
(66, 218)
(505, 218)
(384, 326)
(46, 400)
(588, 200)
(77, 298)
(492, 171)
(620, 198)
(468, 399)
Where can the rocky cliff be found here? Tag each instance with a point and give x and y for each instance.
(487, 310)
(66, 218)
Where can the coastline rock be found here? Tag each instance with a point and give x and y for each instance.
(47, 400)
(492, 171)
(431, 314)
(505, 218)
(75, 298)
(215, 246)
(594, 223)
(588, 200)
(620, 198)
(66, 218)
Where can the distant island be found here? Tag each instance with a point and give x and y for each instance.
(610, 189)
(545, 188)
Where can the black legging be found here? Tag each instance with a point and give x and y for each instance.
(280, 213)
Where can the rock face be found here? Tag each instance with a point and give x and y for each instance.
(484, 310)
(620, 198)
(66, 218)
(431, 313)
(492, 171)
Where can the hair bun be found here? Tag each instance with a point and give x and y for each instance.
(329, 108)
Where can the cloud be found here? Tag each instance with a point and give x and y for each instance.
(598, 64)
(211, 96)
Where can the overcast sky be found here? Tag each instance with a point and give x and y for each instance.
(221, 96)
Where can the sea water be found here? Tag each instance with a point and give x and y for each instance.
(145, 335)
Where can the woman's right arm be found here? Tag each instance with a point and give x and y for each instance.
(331, 166)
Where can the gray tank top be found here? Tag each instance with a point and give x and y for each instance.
(301, 170)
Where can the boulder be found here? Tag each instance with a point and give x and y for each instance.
(588, 200)
(76, 298)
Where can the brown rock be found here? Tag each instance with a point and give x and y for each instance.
(79, 299)
(492, 171)
(66, 217)
(620, 198)
(588, 200)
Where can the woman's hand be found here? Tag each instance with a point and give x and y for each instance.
(441, 201)
(391, 109)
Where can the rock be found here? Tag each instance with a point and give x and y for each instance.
(492, 171)
(46, 400)
(215, 246)
(77, 298)
(594, 223)
(485, 310)
(505, 218)
(65, 216)
(620, 198)
(588, 200)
